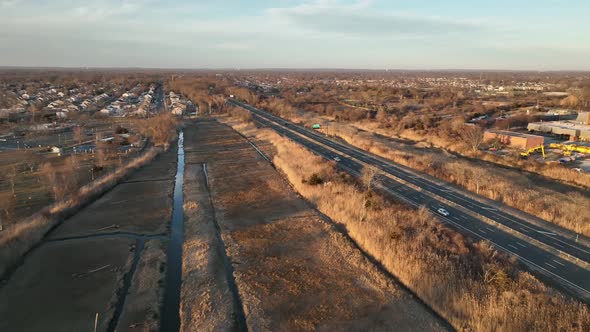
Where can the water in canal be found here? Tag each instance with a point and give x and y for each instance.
(170, 308)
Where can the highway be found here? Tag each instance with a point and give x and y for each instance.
(549, 252)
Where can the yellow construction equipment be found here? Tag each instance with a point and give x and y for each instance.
(569, 148)
(534, 149)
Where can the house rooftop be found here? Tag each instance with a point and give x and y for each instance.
(512, 133)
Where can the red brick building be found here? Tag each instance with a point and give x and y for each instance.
(513, 139)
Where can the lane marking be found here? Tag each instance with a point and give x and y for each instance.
(524, 230)
(553, 266)
(546, 233)
(481, 230)
(526, 260)
(520, 244)
(513, 247)
(560, 263)
(559, 245)
(490, 229)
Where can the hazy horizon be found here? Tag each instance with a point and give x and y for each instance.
(523, 35)
(298, 69)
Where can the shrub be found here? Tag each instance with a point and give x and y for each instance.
(315, 179)
(160, 129)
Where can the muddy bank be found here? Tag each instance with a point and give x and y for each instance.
(142, 306)
(56, 289)
(293, 270)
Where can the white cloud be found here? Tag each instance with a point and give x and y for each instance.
(233, 46)
(105, 9)
(7, 3)
(358, 19)
(322, 33)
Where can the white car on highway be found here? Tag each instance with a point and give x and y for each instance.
(443, 212)
(337, 158)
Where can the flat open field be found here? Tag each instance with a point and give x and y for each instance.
(292, 269)
(107, 259)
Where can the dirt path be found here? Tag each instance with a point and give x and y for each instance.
(292, 269)
(107, 259)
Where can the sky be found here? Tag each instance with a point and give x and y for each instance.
(353, 34)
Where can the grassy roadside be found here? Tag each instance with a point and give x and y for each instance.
(490, 182)
(470, 284)
(506, 186)
(293, 270)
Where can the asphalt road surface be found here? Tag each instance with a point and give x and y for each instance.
(540, 247)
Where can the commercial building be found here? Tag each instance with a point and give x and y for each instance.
(514, 139)
(578, 129)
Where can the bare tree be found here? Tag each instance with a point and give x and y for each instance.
(381, 116)
(160, 129)
(49, 174)
(570, 101)
(473, 137)
(101, 154)
(11, 175)
(70, 174)
(78, 132)
(218, 101)
(7, 205)
(480, 178)
(368, 174)
(61, 180)
(34, 109)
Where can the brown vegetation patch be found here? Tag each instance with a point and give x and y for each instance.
(293, 270)
(470, 284)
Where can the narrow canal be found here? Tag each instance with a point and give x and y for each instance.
(171, 305)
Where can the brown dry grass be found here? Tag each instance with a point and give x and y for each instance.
(552, 171)
(187, 206)
(160, 129)
(470, 284)
(284, 252)
(484, 180)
